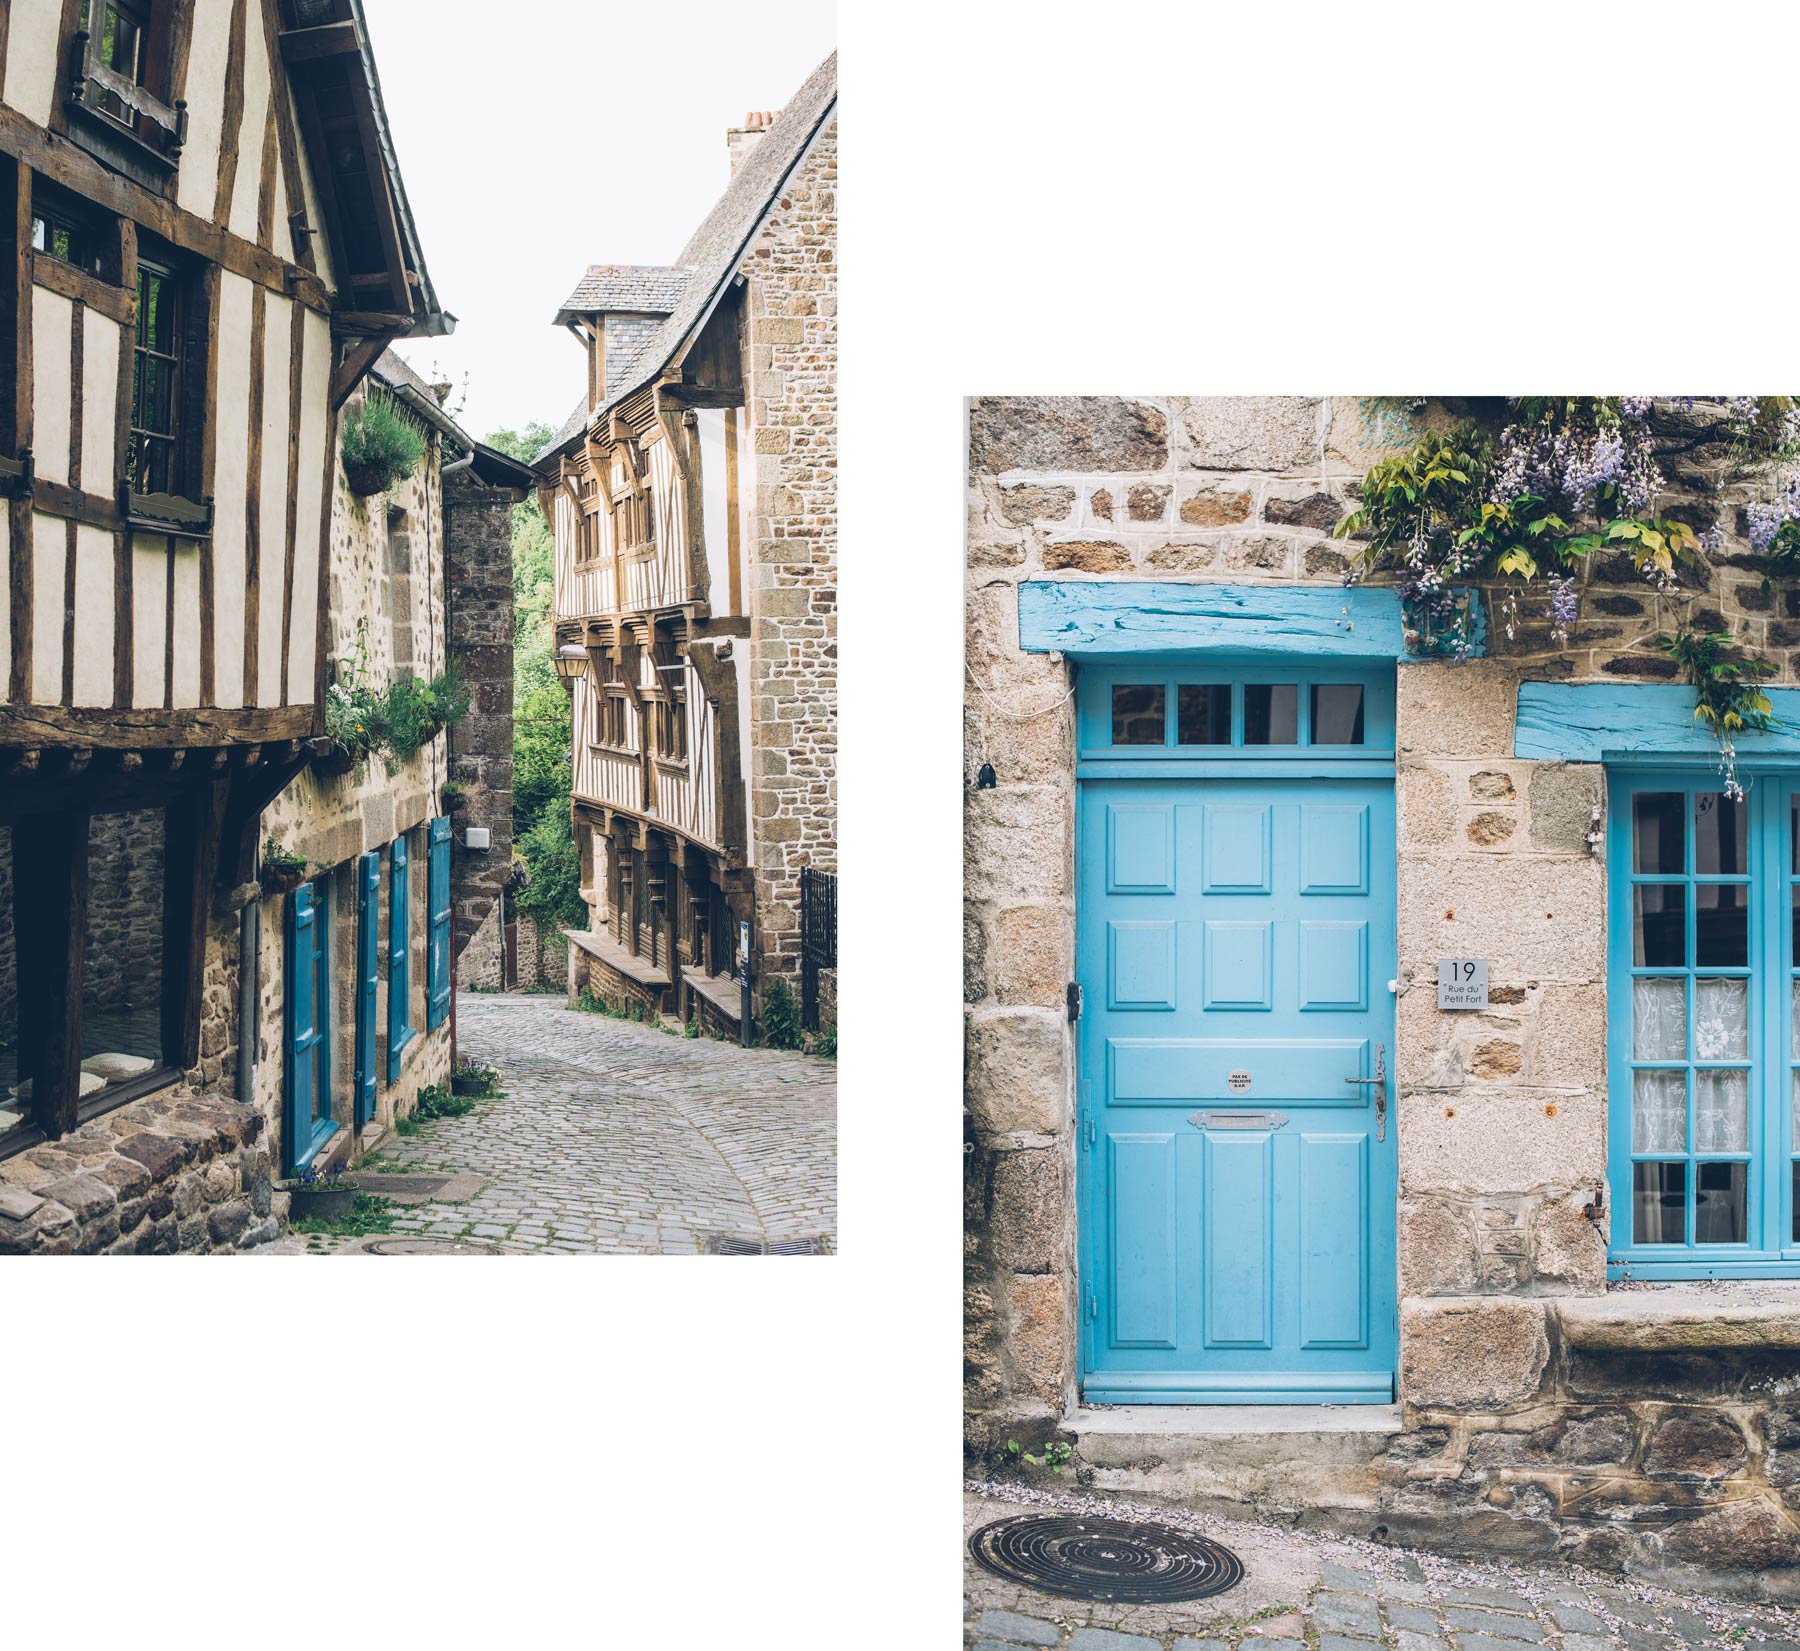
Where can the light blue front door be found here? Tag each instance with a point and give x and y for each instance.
(1236, 940)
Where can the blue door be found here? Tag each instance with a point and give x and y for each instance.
(1236, 940)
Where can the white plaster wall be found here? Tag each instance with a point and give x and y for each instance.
(714, 513)
(149, 617)
(196, 184)
(252, 133)
(315, 388)
(31, 55)
(185, 665)
(271, 616)
(94, 643)
(52, 338)
(99, 401)
(49, 548)
(230, 463)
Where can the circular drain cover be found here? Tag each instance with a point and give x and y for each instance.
(423, 1246)
(1108, 1559)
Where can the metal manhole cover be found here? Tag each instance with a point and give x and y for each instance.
(730, 1244)
(1106, 1559)
(424, 1246)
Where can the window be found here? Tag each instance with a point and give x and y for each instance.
(1228, 708)
(86, 899)
(156, 382)
(309, 1006)
(437, 957)
(368, 980)
(1704, 1042)
(400, 1028)
(64, 228)
(119, 46)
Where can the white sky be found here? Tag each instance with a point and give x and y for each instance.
(540, 136)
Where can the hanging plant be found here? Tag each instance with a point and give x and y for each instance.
(379, 447)
(1728, 700)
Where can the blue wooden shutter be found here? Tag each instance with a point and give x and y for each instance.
(438, 959)
(368, 979)
(399, 975)
(302, 1022)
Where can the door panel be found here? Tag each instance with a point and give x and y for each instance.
(1238, 1216)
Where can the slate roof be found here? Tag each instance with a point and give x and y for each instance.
(641, 289)
(716, 248)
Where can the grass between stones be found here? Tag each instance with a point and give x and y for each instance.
(371, 1214)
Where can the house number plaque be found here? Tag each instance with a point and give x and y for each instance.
(1462, 983)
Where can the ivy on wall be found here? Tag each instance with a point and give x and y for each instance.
(1563, 479)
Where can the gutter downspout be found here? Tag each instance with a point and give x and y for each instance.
(249, 993)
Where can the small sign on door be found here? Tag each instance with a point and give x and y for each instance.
(1239, 1082)
(1462, 983)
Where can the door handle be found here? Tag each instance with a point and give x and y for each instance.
(1380, 1083)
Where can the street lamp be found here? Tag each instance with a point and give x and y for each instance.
(571, 662)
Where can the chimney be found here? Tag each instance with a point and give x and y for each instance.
(740, 140)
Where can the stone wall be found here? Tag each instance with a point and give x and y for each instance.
(792, 338)
(1501, 1116)
(125, 891)
(478, 524)
(176, 1171)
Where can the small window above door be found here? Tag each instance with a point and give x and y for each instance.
(1236, 710)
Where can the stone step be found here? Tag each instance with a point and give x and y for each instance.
(1317, 1464)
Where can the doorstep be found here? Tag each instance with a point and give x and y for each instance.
(1258, 1461)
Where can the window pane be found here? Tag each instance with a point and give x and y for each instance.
(1722, 1111)
(1796, 1203)
(1337, 713)
(1203, 713)
(1659, 1020)
(1656, 832)
(1720, 1205)
(1137, 711)
(1271, 713)
(1721, 834)
(121, 997)
(1659, 925)
(1659, 1112)
(1721, 1020)
(1658, 1203)
(1721, 925)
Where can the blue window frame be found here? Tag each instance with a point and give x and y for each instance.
(400, 1029)
(437, 957)
(308, 1053)
(1153, 717)
(1702, 1050)
(368, 980)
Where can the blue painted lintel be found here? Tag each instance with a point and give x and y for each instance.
(1128, 616)
(1592, 721)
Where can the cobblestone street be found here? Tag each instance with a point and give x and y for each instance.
(1303, 1592)
(616, 1138)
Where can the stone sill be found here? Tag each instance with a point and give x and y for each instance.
(722, 991)
(1685, 1317)
(615, 956)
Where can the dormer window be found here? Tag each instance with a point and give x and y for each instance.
(118, 72)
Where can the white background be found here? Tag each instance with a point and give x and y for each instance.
(719, 1454)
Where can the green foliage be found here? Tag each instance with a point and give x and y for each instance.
(438, 1100)
(277, 861)
(825, 1044)
(1055, 1457)
(552, 892)
(379, 445)
(370, 1214)
(781, 1016)
(1728, 700)
(1432, 492)
(477, 1078)
(413, 711)
(542, 736)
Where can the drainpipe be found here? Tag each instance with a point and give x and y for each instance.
(249, 951)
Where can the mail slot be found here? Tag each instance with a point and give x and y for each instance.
(1237, 1120)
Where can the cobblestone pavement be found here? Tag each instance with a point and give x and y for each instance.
(1304, 1592)
(616, 1138)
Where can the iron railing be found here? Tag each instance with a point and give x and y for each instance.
(818, 938)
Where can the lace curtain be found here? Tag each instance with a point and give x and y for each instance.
(1721, 1033)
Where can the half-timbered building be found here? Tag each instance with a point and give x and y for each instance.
(692, 491)
(205, 245)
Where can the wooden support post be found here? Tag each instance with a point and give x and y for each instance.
(50, 882)
(190, 859)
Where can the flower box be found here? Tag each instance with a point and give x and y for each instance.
(333, 1200)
